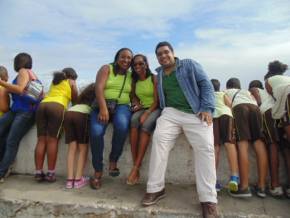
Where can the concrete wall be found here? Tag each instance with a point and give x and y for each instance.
(180, 165)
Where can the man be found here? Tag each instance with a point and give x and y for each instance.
(187, 98)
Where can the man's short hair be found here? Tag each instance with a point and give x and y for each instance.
(161, 44)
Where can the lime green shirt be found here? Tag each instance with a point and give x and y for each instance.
(174, 96)
(82, 108)
(114, 84)
(145, 92)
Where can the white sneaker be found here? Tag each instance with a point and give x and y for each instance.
(2, 180)
(288, 192)
(276, 192)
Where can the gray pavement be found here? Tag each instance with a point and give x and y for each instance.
(21, 196)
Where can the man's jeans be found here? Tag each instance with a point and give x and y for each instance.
(121, 123)
(13, 126)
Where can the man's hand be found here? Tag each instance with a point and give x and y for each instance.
(206, 117)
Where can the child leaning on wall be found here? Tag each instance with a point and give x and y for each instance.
(223, 134)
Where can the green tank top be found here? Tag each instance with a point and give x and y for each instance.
(114, 84)
(145, 91)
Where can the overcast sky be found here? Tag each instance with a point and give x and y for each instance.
(228, 38)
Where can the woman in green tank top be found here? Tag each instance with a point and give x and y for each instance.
(113, 82)
(146, 111)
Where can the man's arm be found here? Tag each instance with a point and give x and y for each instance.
(205, 87)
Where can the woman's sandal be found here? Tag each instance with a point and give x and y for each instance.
(95, 183)
(114, 172)
(134, 181)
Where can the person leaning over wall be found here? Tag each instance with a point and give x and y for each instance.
(223, 129)
(49, 121)
(248, 122)
(21, 114)
(76, 127)
(113, 87)
(186, 96)
(271, 136)
(278, 86)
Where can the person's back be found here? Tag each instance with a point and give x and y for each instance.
(220, 106)
(59, 93)
(278, 83)
(240, 96)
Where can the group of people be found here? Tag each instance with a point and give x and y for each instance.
(179, 99)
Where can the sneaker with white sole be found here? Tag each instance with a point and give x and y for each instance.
(288, 192)
(260, 192)
(245, 193)
(276, 192)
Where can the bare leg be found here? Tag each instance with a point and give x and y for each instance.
(262, 162)
(232, 158)
(143, 144)
(52, 148)
(274, 164)
(134, 143)
(39, 153)
(72, 147)
(243, 163)
(83, 154)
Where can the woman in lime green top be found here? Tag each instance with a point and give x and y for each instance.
(113, 82)
(49, 120)
(146, 112)
(4, 96)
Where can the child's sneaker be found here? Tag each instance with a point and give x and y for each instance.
(233, 183)
(218, 187)
(39, 177)
(260, 192)
(288, 192)
(69, 183)
(50, 177)
(245, 193)
(276, 192)
(81, 182)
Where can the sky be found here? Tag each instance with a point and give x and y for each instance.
(228, 38)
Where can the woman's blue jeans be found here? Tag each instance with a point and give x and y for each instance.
(13, 126)
(121, 123)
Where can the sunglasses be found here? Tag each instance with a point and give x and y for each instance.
(139, 64)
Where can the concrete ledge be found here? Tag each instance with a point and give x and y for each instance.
(21, 196)
(180, 165)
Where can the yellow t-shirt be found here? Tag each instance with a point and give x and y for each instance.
(220, 107)
(60, 93)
